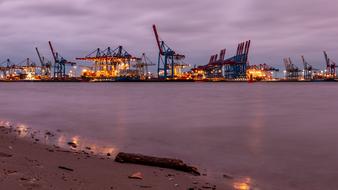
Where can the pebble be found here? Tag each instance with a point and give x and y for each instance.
(227, 176)
(136, 175)
(72, 144)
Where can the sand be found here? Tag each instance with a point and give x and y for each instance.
(28, 164)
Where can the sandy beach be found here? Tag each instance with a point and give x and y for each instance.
(28, 164)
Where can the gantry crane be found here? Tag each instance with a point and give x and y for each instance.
(59, 64)
(260, 72)
(27, 69)
(109, 63)
(168, 59)
(8, 69)
(308, 71)
(234, 67)
(4, 68)
(46, 66)
(330, 67)
(291, 70)
(142, 66)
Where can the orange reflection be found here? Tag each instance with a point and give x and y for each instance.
(61, 140)
(5, 123)
(76, 140)
(110, 150)
(243, 184)
(83, 144)
(22, 130)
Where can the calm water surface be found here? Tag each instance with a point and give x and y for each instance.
(279, 136)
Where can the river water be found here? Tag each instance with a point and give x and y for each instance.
(274, 135)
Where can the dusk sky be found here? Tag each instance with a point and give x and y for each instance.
(197, 28)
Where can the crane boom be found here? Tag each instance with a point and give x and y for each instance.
(303, 59)
(327, 59)
(157, 39)
(52, 49)
(39, 55)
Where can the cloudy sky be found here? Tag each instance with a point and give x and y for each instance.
(197, 28)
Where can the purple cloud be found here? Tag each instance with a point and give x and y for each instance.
(197, 28)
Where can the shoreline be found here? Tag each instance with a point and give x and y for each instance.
(172, 81)
(26, 163)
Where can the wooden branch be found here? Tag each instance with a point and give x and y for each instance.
(155, 161)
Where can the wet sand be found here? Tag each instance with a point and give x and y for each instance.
(28, 164)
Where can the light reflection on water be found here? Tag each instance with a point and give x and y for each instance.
(257, 124)
(61, 140)
(84, 144)
(5, 123)
(240, 128)
(22, 130)
(242, 184)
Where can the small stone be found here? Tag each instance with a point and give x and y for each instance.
(227, 176)
(49, 133)
(137, 175)
(72, 144)
(145, 186)
(50, 150)
(2, 154)
(66, 168)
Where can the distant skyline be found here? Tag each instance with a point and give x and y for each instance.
(196, 28)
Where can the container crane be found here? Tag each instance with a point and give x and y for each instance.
(27, 69)
(110, 64)
(4, 68)
(330, 67)
(168, 59)
(8, 69)
(260, 72)
(231, 68)
(59, 64)
(142, 66)
(291, 70)
(309, 72)
(46, 66)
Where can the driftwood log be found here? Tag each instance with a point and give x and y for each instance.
(155, 161)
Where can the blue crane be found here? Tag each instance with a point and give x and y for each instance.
(167, 58)
(59, 64)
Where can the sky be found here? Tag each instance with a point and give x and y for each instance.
(196, 28)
